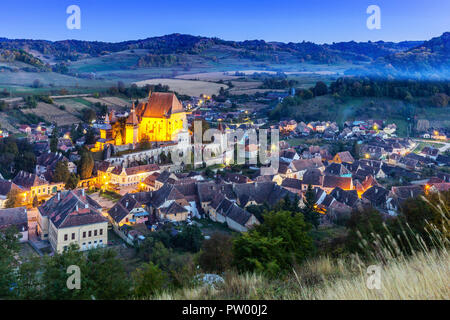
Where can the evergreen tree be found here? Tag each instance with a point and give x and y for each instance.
(309, 211)
(72, 181)
(86, 165)
(54, 140)
(35, 202)
(61, 173)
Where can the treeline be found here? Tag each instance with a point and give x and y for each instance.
(278, 83)
(16, 155)
(396, 89)
(23, 56)
(134, 91)
(159, 60)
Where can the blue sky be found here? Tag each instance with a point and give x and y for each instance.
(277, 20)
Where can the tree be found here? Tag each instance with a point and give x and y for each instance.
(293, 229)
(9, 249)
(90, 136)
(28, 283)
(363, 226)
(216, 254)
(420, 212)
(54, 276)
(61, 173)
(13, 199)
(320, 89)
(54, 139)
(440, 100)
(102, 275)
(86, 164)
(88, 115)
(35, 203)
(309, 211)
(253, 252)
(190, 238)
(107, 275)
(274, 246)
(148, 280)
(72, 181)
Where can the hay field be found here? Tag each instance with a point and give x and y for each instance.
(111, 102)
(52, 113)
(188, 87)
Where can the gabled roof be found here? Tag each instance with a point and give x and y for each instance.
(26, 180)
(159, 105)
(336, 169)
(174, 208)
(14, 217)
(238, 215)
(143, 168)
(292, 183)
(334, 182)
(349, 197)
(405, 192)
(304, 164)
(128, 203)
(72, 208)
(376, 195)
(313, 177)
(6, 186)
(345, 156)
(50, 159)
(264, 192)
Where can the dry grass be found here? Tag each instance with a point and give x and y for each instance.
(422, 276)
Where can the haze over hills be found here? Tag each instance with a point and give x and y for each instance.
(428, 59)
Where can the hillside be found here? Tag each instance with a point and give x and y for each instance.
(423, 276)
(187, 52)
(428, 60)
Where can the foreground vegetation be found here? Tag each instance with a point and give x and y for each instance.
(280, 259)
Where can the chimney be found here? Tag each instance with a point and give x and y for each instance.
(86, 205)
(76, 207)
(82, 192)
(59, 195)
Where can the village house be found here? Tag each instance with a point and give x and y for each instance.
(121, 177)
(344, 156)
(5, 188)
(72, 217)
(299, 167)
(15, 217)
(293, 185)
(130, 209)
(34, 186)
(47, 162)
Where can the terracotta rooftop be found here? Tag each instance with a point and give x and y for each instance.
(160, 105)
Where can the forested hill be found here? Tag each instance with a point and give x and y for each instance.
(416, 59)
(188, 44)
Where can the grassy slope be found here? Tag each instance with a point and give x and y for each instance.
(423, 276)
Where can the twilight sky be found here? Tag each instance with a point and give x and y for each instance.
(271, 20)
